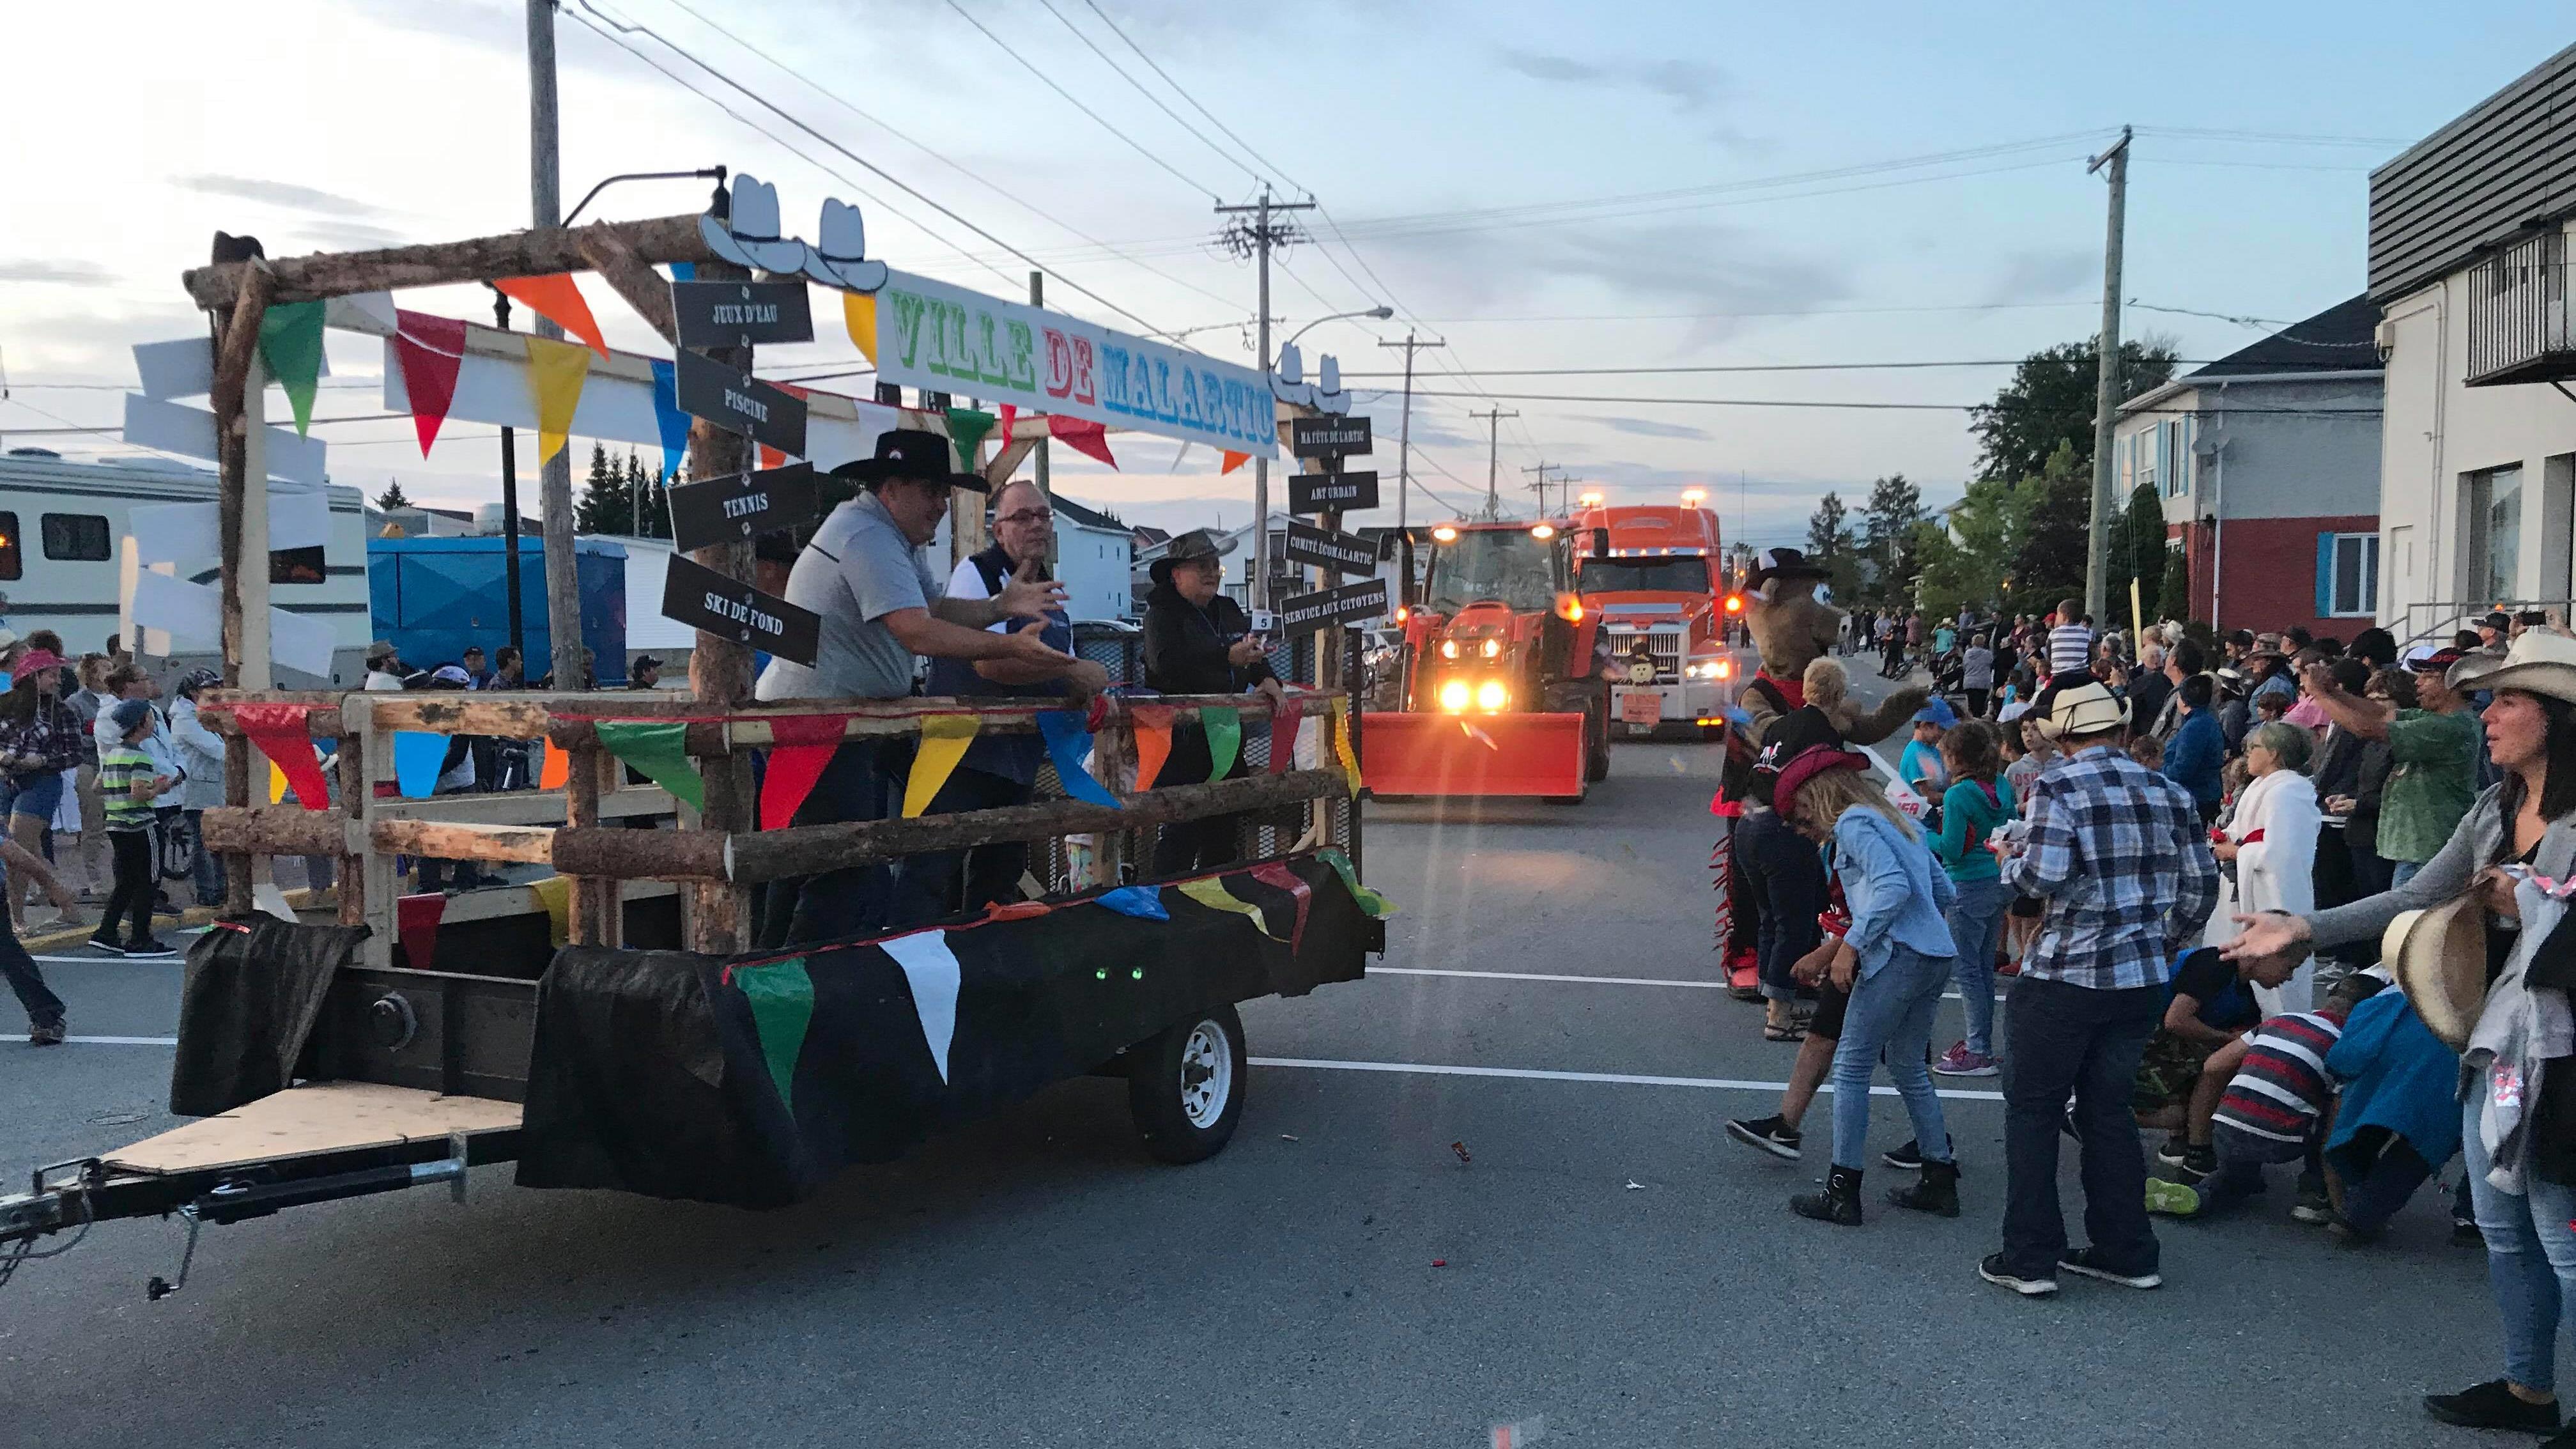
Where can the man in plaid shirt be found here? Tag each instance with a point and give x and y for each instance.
(2118, 853)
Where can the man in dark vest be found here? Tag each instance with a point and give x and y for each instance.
(998, 769)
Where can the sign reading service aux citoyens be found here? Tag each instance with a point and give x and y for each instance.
(948, 339)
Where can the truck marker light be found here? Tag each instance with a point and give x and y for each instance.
(1445, 534)
(1735, 603)
(1403, 613)
(1543, 532)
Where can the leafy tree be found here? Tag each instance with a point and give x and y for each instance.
(393, 496)
(1964, 562)
(1888, 533)
(2173, 596)
(2049, 555)
(2049, 404)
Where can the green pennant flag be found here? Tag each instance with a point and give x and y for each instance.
(782, 1005)
(658, 749)
(1224, 726)
(290, 344)
(1370, 901)
(966, 429)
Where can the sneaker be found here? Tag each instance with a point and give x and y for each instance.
(1909, 1158)
(108, 944)
(2198, 1162)
(1766, 1134)
(47, 1034)
(2081, 1260)
(2175, 1152)
(2175, 1199)
(149, 946)
(2313, 1207)
(2349, 1234)
(1958, 1061)
(2066, 1123)
(2465, 1234)
(2491, 1405)
(1994, 1271)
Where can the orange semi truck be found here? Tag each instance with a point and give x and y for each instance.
(1664, 616)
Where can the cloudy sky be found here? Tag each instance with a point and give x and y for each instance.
(1699, 185)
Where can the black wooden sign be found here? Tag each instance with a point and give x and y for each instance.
(742, 506)
(735, 399)
(1350, 603)
(741, 314)
(697, 595)
(1329, 549)
(1331, 492)
(1328, 437)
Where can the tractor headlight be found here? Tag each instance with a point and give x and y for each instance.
(1448, 648)
(1490, 695)
(1493, 648)
(1453, 696)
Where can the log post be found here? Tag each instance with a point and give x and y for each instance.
(718, 913)
(383, 883)
(241, 530)
(581, 811)
(354, 885)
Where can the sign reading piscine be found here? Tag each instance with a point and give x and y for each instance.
(948, 339)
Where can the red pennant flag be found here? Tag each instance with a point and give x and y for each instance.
(1233, 461)
(557, 300)
(1283, 732)
(429, 350)
(278, 730)
(804, 746)
(1272, 873)
(770, 457)
(1153, 742)
(416, 921)
(1086, 437)
(1010, 415)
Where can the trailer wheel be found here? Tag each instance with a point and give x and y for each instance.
(1186, 1087)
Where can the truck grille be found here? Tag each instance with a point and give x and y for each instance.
(1664, 644)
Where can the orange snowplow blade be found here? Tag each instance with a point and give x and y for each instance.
(1478, 754)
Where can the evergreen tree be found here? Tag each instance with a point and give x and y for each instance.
(2173, 596)
(1828, 536)
(2141, 552)
(393, 497)
(1887, 531)
(602, 506)
(2048, 564)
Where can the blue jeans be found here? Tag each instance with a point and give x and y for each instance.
(38, 793)
(1976, 928)
(1787, 874)
(2399, 873)
(1890, 1012)
(2531, 1258)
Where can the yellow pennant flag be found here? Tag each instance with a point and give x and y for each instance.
(859, 313)
(276, 783)
(944, 738)
(556, 371)
(1211, 893)
(1342, 747)
(554, 897)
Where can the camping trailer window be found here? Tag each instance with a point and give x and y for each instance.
(12, 563)
(76, 537)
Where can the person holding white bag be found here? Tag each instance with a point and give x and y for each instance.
(2273, 840)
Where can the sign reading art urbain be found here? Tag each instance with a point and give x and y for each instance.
(948, 339)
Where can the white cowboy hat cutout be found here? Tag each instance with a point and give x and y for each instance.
(750, 236)
(1329, 397)
(840, 258)
(1288, 380)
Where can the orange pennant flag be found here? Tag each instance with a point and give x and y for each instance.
(1153, 742)
(557, 300)
(770, 457)
(556, 772)
(1232, 462)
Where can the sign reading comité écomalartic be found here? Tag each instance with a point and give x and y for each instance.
(697, 595)
(740, 506)
(948, 339)
(741, 314)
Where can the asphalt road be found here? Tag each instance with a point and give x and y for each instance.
(1616, 1272)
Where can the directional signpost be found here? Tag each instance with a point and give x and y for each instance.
(694, 594)
(741, 314)
(1331, 492)
(730, 398)
(1349, 604)
(740, 506)
(1328, 437)
(1328, 548)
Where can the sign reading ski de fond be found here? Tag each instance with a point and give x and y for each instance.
(948, 339)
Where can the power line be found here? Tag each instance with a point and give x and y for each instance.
(1183, 93)
(1735, 367)
(1049, 81)
(1159, 104)
(1999, 404)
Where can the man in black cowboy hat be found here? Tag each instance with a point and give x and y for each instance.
(1198, 641)
(866, 575)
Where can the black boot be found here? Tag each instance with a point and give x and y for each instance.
(1938, 1192)
(1838, 1203)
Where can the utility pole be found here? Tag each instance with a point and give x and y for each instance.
(510, 510)
(2106, 387)
(1538, 485)
(1046, 490)
(1404, 429)
(571, 663)
(1493, 457)
(1257, 240)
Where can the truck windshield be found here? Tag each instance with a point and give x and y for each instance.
(1505, 564)
(1675, 575)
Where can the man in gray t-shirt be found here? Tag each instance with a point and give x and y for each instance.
(881, 604)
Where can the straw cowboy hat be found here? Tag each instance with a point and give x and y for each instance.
(2078, 704)
(2542, 662)
(2439, 957)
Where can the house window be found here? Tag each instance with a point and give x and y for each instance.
(2347, 575)
(12, 562)
(2493, 502)
(2148, 444)
(75, 537)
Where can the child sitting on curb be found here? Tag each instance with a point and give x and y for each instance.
(2276, 1109)
(2398, 1119)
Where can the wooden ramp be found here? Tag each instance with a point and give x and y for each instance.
(313, 1119)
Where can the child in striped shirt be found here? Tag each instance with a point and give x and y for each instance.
(128, 783)
(2276, 1108)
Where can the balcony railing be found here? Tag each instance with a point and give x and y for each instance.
(2518, 328)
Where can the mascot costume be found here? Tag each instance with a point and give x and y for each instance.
(1792, 629)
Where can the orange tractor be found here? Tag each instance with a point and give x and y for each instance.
(1499, 693)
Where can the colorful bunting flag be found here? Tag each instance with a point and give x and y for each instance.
(1142, 902)
(1283, 732)
(1232, 461)
(1370, 901)
(417, 756)
(1272, 873)
(1010, 420)
(781, 997)
(558, 300)
(930, 968)
(556, 772)
(803, 746)
(944, 738)
(554, 897)
(556, 372)
(1153, 742)
(771, 457)
(1342, 748)
(966, 430)
(1066, 743)
(668, 420)
(290, 345)
(859, 314)
(276, 783)
(659, 751)
(279, 732)
(1224, 726)
(429, 350)
(1210, 892)
(416, 921)
(1084, 436)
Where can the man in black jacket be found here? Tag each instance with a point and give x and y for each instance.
(1197, 641)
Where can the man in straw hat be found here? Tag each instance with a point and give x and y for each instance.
(2117, 853)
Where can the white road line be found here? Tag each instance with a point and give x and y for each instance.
(161, 1041)
(176, 959)
(1618, 1079)
(1546, 976)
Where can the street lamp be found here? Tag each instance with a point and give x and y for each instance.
(1380, 313)
(703, 173)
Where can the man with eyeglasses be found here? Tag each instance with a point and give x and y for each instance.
(998, 769)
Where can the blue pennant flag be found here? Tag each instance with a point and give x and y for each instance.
(673, 423)
(1066, 742)
(1145, 903)
(417, 756)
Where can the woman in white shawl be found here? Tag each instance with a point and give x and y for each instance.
(2273, 840)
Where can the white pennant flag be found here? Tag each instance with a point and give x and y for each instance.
(932, 969)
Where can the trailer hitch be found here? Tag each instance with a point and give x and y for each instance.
(239, 1201)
